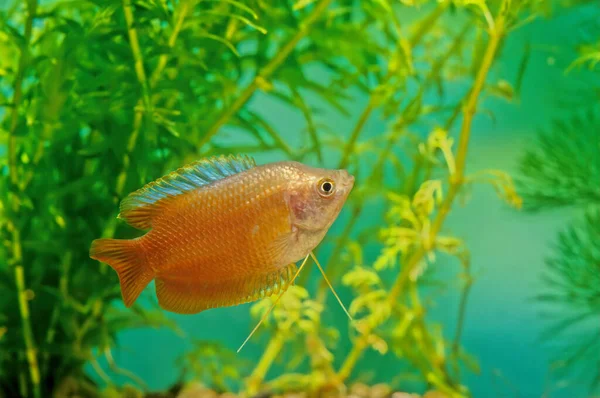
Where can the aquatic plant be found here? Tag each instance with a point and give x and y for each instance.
(99, 97)
(561, 171)
(83, 127)
(413, 242)
(295, 319)
(213, 365)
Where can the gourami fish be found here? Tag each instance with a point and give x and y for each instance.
(223, 231)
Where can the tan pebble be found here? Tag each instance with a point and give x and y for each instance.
(404, 395)
(380, 391)
(359, 390)
(197, 390)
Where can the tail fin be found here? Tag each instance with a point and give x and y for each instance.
(125, 257)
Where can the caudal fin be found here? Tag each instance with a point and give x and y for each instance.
(125, 257)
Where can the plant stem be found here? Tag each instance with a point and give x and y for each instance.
(462, 309)
(357, 349)
(31, 351)
(17, 250)
(137, 55)
(262, 367)
(310, 125)
(362, 120)
(265, 73)
(456, 181)
(23, 390)
(146, 100)
(63, 286)
(182, 12)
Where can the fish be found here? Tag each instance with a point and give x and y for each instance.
(223, 231)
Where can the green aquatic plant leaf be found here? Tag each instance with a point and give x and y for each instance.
(502, 183)
(502, 89)
(589, 57)
(450, 245)
(361, 278)
(571, 295)
(438, 140)
(370, 304)
(295, 314)
(213, 364)
(557, 170)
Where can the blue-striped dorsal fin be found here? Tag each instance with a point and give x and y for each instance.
(138, 209)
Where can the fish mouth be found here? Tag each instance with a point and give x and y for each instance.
(350, 182)
(347, 181)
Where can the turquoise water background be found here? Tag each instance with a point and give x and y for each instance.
(508, 247)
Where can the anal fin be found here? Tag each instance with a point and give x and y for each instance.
(191, 297)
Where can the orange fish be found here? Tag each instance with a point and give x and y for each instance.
(223, 231)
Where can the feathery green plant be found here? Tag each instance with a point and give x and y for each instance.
(572, 299)
(561, 170)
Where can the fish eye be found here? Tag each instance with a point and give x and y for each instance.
(326, 187)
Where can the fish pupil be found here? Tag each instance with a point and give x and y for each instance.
(327, 187)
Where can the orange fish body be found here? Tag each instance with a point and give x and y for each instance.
(223, 231)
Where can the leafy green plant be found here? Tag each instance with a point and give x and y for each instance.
(97, 99)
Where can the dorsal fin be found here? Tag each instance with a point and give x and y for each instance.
(138, 209)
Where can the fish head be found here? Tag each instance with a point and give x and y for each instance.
(316, 197)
